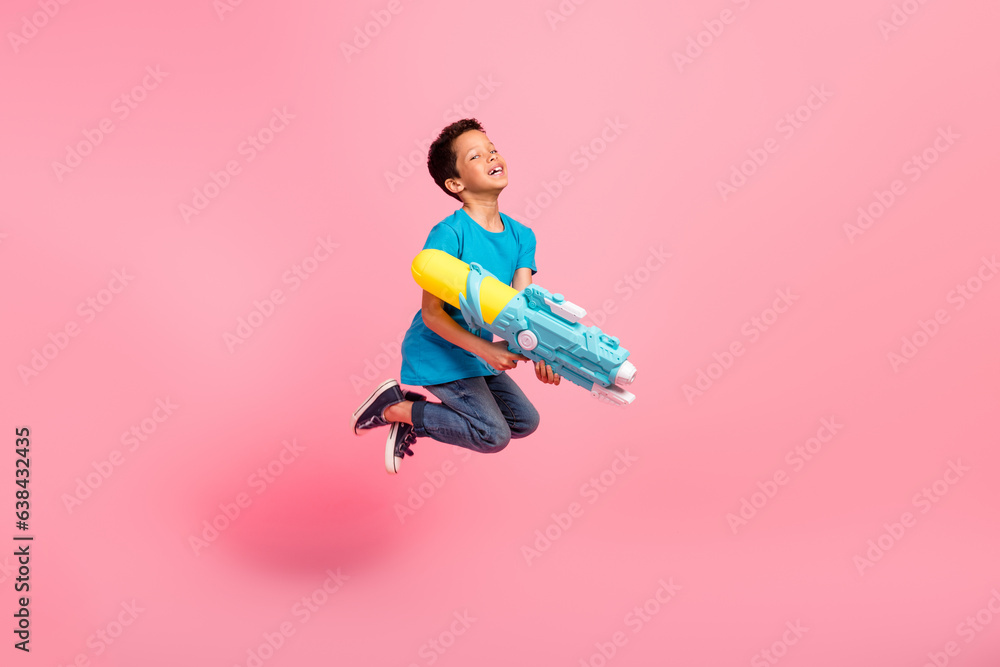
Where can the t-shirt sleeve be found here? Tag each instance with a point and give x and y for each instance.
(526, 251)
(443, 237)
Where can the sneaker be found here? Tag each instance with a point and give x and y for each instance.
(397, 445)
(369, 415)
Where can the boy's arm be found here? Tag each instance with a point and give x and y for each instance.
(438, 321)
(495, 354)
(522, 278)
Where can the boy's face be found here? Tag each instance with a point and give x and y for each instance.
(481, 169)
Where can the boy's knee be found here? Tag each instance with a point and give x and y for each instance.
(528, 424)
(494, 439)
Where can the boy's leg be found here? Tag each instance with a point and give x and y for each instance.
(399, 412)
(521, 416)
(467, 416)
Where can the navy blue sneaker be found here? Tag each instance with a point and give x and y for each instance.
(397, 445)
(369, 415)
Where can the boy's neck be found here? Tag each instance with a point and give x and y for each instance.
(485, 212)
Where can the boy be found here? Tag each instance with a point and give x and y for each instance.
(478, 410)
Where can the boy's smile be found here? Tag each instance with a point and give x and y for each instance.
(481, 168)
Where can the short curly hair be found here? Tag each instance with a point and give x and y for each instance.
(441, 158)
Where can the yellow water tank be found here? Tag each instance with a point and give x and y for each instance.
(446, 276)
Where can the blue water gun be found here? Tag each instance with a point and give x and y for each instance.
(534, 322)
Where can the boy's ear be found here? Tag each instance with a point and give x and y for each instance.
(454, 185)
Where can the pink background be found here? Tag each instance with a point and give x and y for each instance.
(449, 537)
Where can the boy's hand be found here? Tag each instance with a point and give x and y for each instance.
(499, 357)
(546, 374)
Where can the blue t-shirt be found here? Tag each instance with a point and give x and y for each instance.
(427, 357)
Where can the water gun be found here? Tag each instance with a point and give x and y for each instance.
(536, 323)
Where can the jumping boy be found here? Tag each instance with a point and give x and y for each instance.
(478, 410)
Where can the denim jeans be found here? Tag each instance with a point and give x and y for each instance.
(478, 413)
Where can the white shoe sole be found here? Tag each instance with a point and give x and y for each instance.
(367, 404)
(392, 462)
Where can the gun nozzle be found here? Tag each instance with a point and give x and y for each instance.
(626, 374)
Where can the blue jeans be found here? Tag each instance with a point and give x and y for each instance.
(478, 413)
